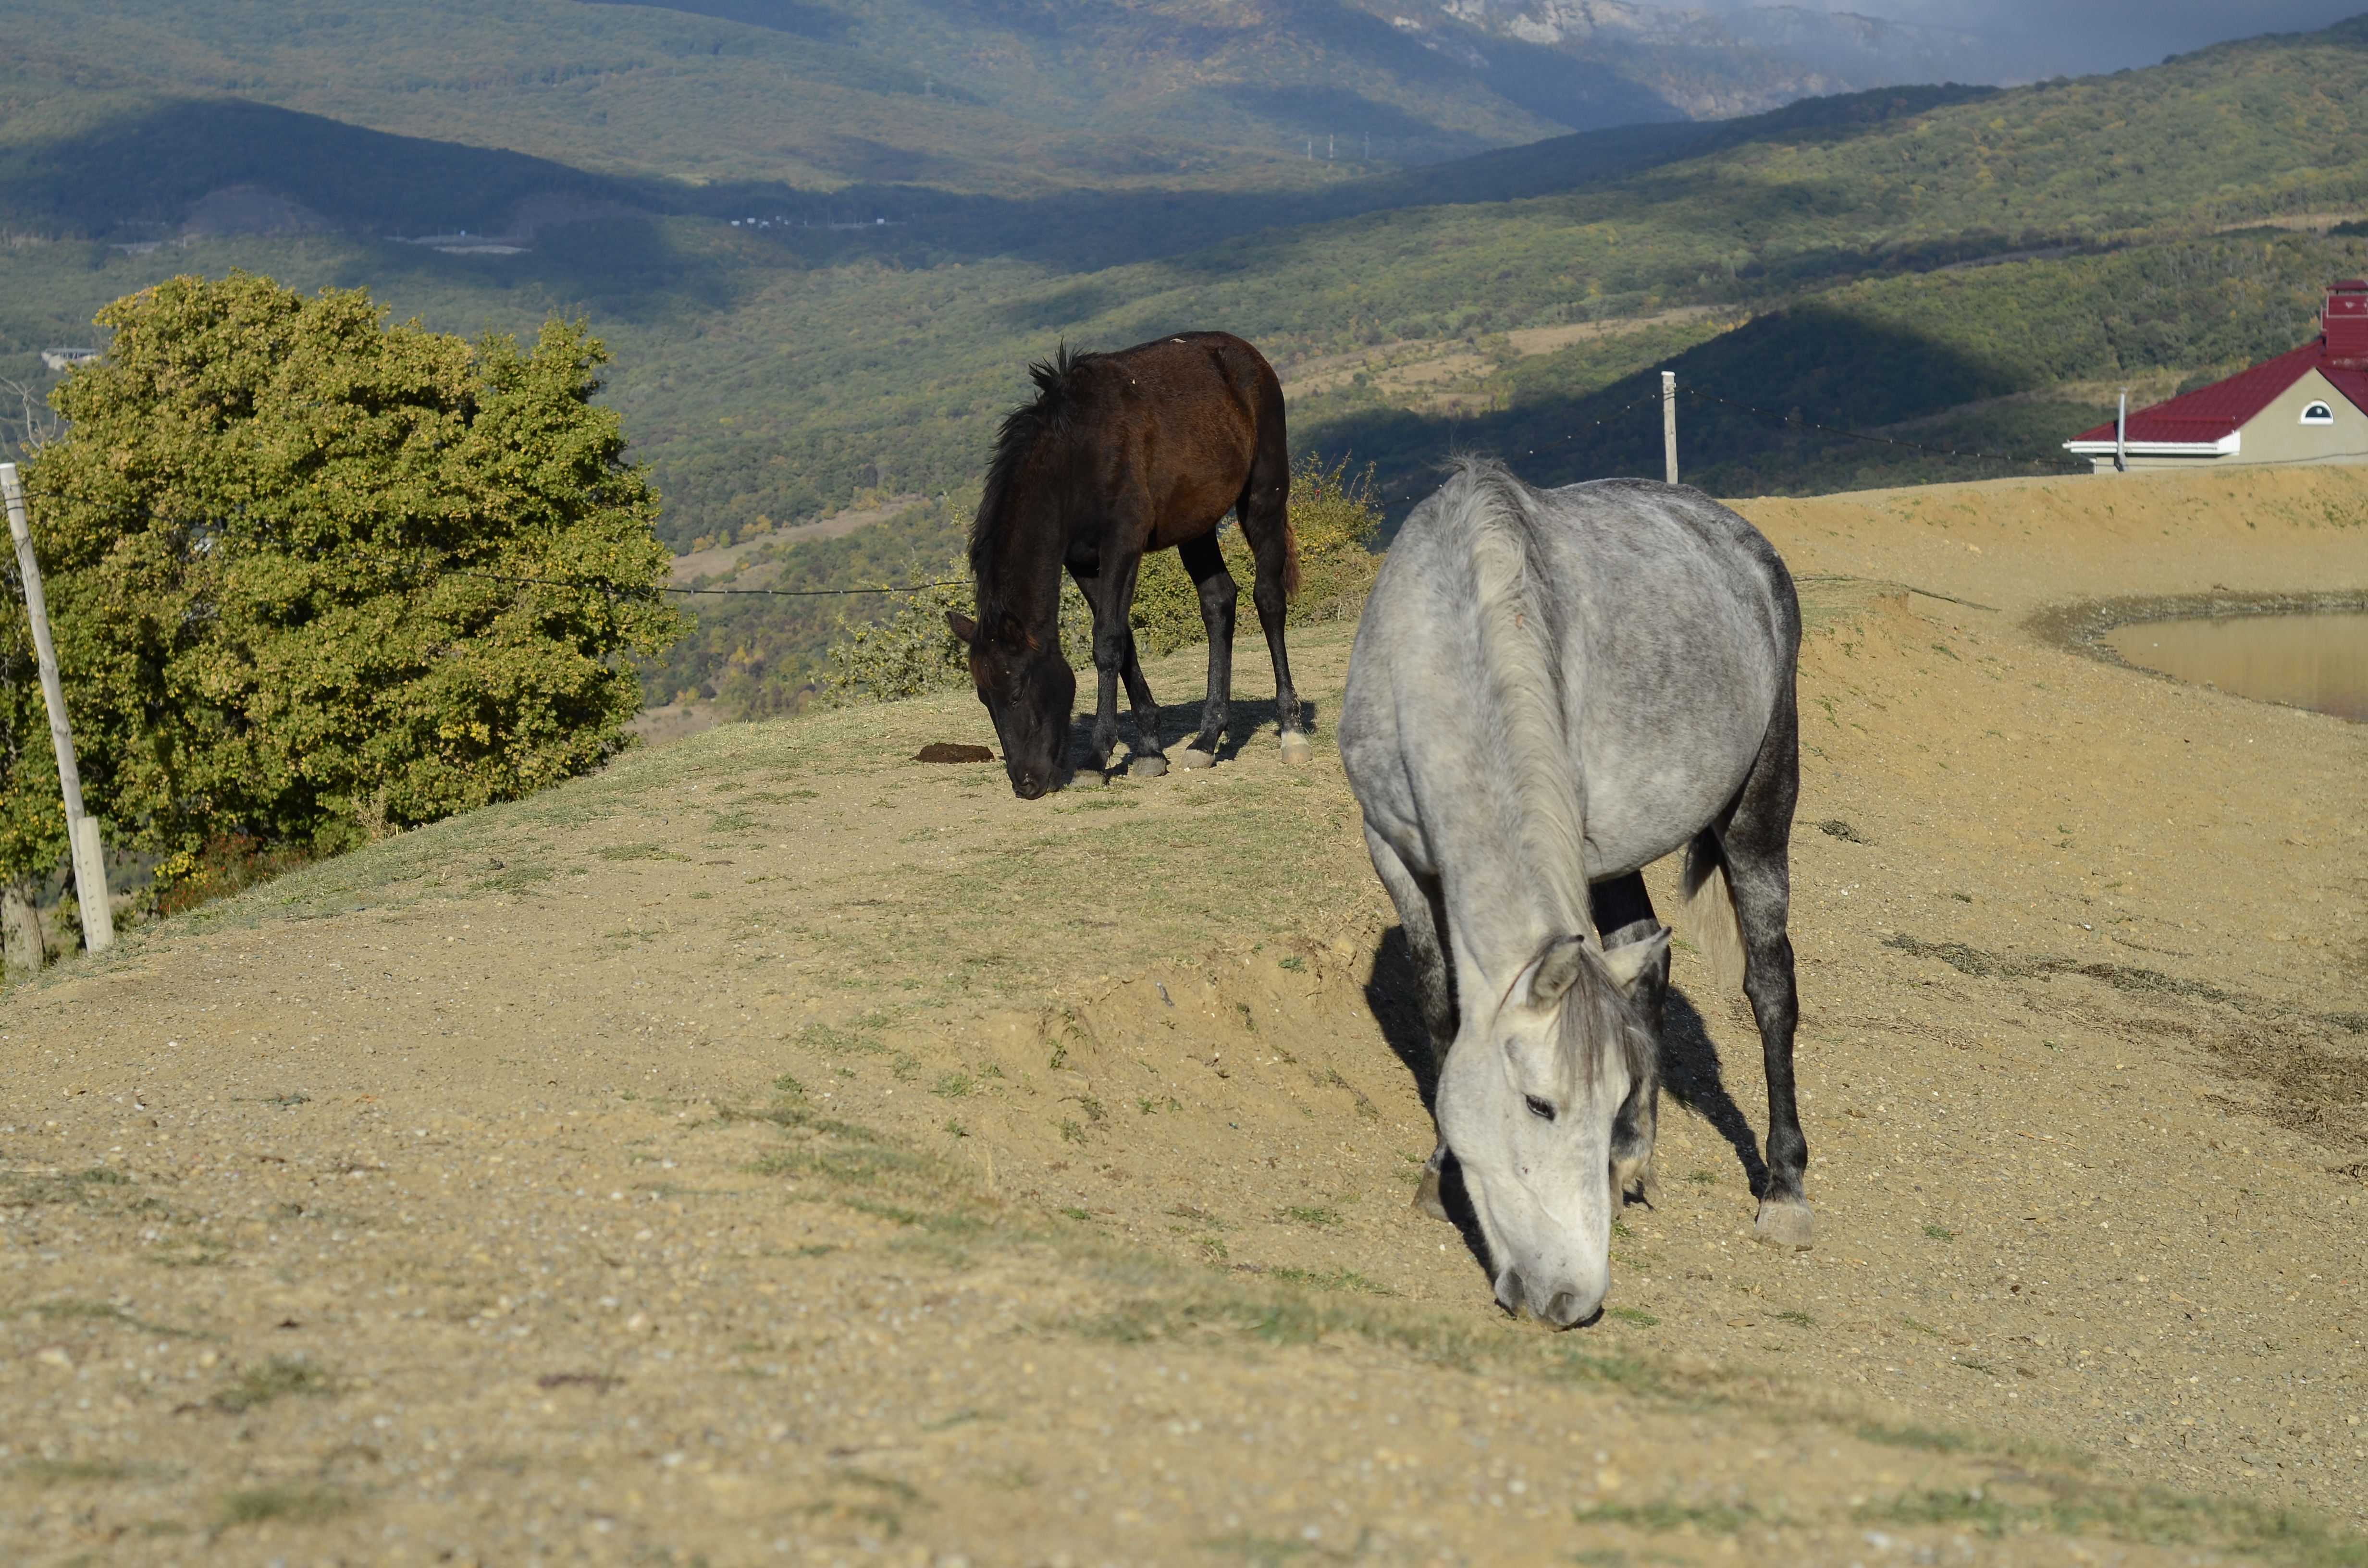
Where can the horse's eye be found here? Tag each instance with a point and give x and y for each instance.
(1542, 1109)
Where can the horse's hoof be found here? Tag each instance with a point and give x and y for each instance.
(1086, 779)
(1191, 760)
(1295, 747)
(1426, 1197)
(1147, 767)
(1784, 1224)
(1637, 1176)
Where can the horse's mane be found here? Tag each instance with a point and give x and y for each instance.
(1015, 442)
(1520, 645)
(1519, 649)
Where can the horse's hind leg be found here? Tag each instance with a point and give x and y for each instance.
(1206, 563)
(1422, 912)
(1264, 508)
(1757, 846)
(1623, 913)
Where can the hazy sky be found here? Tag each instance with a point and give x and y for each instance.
(2042, 37)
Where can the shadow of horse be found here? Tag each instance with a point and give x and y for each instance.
(1251, 718)
(1690, 1073)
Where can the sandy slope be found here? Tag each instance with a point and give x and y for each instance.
(773, 1148)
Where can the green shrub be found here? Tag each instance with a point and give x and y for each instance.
(314, 576)
(911, 651)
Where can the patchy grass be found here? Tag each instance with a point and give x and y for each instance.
(299, 1503)
(2142, 1514)
(276, 1379)
(51, 1472)
(1336, 1279)
(1666, 1514)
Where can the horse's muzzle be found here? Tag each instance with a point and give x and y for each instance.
(1563, 1309)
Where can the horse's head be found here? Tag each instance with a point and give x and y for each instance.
(1028, 688)
(1527, 1103)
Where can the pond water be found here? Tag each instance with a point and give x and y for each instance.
(2314, 660)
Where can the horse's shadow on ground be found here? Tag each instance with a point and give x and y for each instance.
(1248, 720)
(1690, 1073)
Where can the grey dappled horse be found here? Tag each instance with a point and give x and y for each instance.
(1549, 691)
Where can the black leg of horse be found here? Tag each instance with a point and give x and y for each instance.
(1264, 508)
(1623, 913)
(1109, 594)
(1758, 848)
(1150, 751)
(1422, 911)
(1105, 730)
(1207, 564)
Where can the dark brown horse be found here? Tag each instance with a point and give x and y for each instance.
(1121, 453)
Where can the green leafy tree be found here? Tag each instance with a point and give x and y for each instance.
(315, 576)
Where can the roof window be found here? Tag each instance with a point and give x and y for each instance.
(2317, 414)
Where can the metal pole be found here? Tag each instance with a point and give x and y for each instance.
(1669, 422)
(2122, 435)
(82, 833)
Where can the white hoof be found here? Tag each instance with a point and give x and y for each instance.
(1147, 767)
(1189, 759)
(1086, 779)
(1784, 1225)
(1295, 748)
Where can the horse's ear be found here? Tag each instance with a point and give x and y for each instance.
(1557, 971)
(1632, 961)
(962, 626)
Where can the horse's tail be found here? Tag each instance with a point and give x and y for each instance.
(1710, 910)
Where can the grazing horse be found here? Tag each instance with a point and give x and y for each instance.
(1549, 691)
(1146, 449)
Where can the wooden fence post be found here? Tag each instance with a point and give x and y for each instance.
(1669, 422)
(82, 832)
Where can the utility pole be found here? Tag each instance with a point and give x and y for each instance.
(1669, 422)
(82, 832)
(2122, 435)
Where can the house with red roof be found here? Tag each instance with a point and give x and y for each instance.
(2306, 407)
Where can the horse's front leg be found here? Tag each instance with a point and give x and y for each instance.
(1110, 653)
(1150, 752)
(1623, 912)
(1108, 657)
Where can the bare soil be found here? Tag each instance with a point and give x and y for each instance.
(776, 1149)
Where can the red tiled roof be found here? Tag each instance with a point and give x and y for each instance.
(2207, 414)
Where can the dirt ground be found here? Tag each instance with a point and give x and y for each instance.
(773, 1148)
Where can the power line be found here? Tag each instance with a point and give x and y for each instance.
(768, 593)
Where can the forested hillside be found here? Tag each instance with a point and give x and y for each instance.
(1957, 267)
